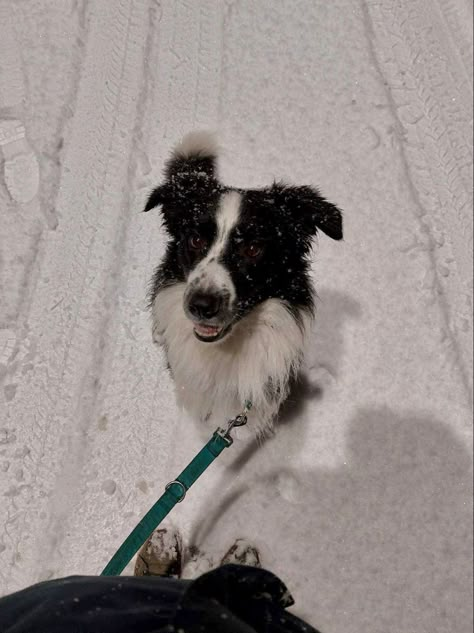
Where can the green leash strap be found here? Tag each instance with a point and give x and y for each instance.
(174, 493)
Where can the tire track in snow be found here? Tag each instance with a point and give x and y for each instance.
(29, 35)
(71, 307)
(421, 82)
(458, 17)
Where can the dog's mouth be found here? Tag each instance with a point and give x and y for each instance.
(210, 333)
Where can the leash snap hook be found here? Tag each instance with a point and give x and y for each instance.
(239, 420)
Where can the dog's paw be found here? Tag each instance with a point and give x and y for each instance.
(161, 554)
(242, 553)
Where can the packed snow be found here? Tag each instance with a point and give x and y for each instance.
(362, 501)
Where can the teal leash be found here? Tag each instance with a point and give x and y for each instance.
(174, 493)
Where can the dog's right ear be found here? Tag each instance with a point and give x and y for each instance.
(158, 196)
(194, 156)
(189, 172)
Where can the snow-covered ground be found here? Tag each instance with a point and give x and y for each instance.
(362, 500)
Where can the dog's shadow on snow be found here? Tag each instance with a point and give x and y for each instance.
(324, 354)
(323, 359)
(382, 541)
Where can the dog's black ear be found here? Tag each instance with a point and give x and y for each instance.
(157, 197)
(195, 156)
(310, 211)
(189, 175)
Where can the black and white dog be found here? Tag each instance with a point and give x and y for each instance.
(232, 300)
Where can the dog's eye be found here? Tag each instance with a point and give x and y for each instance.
(252, 250)
(196, 242)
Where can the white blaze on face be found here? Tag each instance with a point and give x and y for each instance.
(210, 274)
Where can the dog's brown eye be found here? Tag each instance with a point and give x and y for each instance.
(196, 242)
(253, 250)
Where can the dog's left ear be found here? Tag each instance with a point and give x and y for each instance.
(310, 211)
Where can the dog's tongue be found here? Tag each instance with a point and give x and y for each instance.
(207, 330)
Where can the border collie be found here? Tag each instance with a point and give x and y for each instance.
(232, 300)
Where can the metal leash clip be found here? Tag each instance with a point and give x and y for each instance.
(239, 420)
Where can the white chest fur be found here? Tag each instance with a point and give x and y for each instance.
(254, 362)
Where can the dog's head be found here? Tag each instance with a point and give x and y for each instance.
(235, 248)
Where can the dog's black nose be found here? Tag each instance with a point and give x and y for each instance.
(204, 306)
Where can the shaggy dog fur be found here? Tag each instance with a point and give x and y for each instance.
(232, 300)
